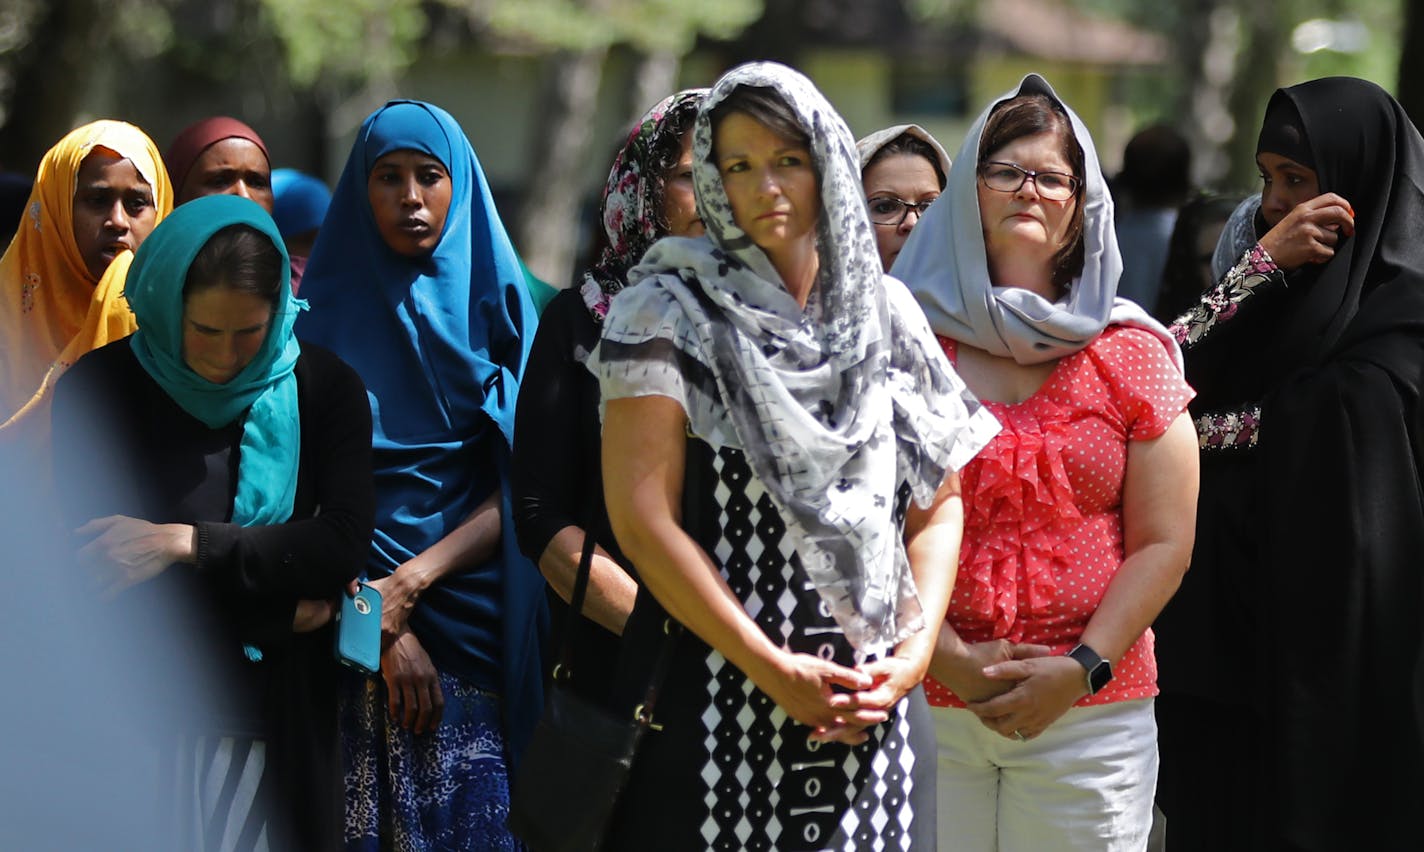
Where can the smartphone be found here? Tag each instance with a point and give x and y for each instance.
(358, 630)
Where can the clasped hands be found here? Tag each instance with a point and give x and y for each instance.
(1015, 689)
(804, 685)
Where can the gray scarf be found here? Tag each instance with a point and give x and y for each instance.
(944, 264)
(870, 145)
(834, 406)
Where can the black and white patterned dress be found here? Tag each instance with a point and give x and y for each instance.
(730, 770)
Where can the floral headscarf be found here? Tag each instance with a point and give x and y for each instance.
(632, 198)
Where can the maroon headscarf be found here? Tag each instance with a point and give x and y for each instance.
(196, 138)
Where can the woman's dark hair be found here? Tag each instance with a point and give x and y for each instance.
(1029, 115)
(1182, 278)
(914, 146)
(765, 106)
(238, 257)
(1156, 168)
(667, 150)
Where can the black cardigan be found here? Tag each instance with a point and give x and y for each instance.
(123, 446)
(557, 472)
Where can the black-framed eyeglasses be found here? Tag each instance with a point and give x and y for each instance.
(889, 210)
(1008, 177)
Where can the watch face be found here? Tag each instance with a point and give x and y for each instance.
(1099, 676)
(1099, 671)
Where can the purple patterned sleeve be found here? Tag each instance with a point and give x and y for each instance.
(1229, 430)
(1254, 271)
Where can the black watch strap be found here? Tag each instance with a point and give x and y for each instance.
(1099, 671)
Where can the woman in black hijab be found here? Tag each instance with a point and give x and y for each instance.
(1292, 659)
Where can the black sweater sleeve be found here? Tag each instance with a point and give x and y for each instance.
(326, 546)
(556, 433)
(123, 446)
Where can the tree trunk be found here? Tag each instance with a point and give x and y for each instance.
(47, 77)
(1207, 49)
(1411, 64)
(548, 229)
(654, 78)
(1263, 41)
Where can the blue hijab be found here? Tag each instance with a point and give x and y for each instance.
(266, 388)
(299, 201)
(441, 343)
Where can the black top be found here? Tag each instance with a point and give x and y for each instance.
(123, 446)
(558, 476)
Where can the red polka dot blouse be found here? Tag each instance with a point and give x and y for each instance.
(1043, 503)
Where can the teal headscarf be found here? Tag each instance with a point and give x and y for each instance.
(266, 388)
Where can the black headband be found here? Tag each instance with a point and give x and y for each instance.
(1283, 132)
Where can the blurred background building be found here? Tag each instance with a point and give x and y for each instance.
(545, 88)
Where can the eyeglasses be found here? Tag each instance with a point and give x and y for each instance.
(1008, 177)
(889, 210)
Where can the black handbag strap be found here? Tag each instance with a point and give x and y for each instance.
(585, 568)
(672, 629)
(693, 497)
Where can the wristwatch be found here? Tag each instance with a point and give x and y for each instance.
(1099, 670)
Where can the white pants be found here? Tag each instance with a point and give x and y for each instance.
(1086, 783)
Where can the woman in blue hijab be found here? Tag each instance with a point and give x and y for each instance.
(415, 282)
(229, 488)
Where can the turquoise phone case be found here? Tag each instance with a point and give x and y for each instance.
(358, 630)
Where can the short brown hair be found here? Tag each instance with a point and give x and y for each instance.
(767, 107)
(1030, 115)
(912, 146)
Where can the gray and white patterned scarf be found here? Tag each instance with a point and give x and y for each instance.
(944, 263)
(835, 405)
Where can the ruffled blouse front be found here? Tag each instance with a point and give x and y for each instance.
(1043, 503)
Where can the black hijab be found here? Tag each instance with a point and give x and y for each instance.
(1364, 148)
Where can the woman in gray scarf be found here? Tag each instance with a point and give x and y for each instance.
(904, 170)
(771, 372)
(1078, 515)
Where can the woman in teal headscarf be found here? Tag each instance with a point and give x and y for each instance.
(232, 476)
(414, 281)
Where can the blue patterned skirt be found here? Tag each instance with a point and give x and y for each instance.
(446, 790)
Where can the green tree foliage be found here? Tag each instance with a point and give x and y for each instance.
(1253, 39)
(53, 53)
(645, 25)
(575, 37)
(350, 41)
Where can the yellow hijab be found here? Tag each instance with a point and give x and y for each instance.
(51, 309)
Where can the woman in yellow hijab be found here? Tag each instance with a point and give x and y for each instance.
(98, 193)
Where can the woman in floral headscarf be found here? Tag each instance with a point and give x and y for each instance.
(558, 481)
